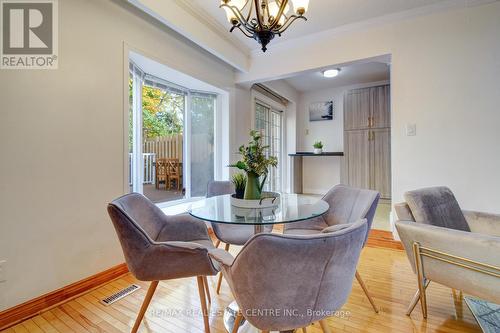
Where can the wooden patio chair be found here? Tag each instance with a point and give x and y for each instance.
(174, 173)
(161, 173)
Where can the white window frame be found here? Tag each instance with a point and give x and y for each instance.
(137, 150)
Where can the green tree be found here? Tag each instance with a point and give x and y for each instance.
(162, 112)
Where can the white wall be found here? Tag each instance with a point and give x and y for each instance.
(62, 144)
(445, 79)
(322, 173)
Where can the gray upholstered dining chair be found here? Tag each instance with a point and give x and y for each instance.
(347, 205)
(228, 233)
(450, 246)
(159, 247)
(301, 279)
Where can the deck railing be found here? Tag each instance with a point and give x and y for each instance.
(148, 163)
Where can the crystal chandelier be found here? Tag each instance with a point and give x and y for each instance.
(263, 19)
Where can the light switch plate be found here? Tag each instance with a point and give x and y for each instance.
(411, 129)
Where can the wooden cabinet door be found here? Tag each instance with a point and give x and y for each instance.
(357, 109)
(357, 158)
(380, 106)
(380, 160)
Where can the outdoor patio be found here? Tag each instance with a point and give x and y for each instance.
(161, 195)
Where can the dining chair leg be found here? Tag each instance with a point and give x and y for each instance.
(416, 298)
(219, 282)
(217, 243)
(201, 290)
(145, 304)
(324, 326)
(237, 322)
(207, 290)
(367, 293)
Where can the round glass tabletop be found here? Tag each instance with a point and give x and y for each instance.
(291, 208)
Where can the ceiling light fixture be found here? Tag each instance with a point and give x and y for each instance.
(264, 19)
(329, 73)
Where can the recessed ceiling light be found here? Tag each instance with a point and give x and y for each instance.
(329, 73)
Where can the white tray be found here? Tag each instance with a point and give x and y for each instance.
(269, 199)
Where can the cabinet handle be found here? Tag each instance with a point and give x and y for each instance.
(373, 136)
(369, 122)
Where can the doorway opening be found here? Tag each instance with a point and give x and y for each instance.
(174, 123)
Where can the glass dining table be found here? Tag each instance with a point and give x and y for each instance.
(289, 208)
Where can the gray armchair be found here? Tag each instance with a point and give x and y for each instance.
(159, 247)
(347, 205)
(227, 233)
(303, 279)
(456, 248)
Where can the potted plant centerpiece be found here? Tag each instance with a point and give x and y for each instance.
(255, 164)
(318, 147)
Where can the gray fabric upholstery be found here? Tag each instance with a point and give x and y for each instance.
(308, 276)
(229, 233)
(436, 206)
(347, 205)
(478, 240)
(483, 223)
(470, 245)
(215, 188)
(160, 247)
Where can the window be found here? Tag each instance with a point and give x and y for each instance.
(171, 138)
(269, 121)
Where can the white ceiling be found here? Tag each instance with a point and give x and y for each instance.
(322, 15)
(349, 75)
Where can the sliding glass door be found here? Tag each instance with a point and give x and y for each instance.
(171, 138)
(269, 121)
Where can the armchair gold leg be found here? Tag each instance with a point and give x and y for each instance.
(237, 322)
(367, 293)
(421, 279)
(207, 290)
(324, 326)
(145, 304)
(219, 282)
(416, 298)
(201, 290)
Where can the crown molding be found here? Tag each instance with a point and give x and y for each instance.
(212, 24)
(186, 22)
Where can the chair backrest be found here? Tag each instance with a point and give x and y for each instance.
(300, 277)
(215, 188)
(435, 206)
(173, 166)
(161, 167)
(137, 222)
(349, 204)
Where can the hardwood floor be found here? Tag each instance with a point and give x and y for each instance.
(176, 307)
